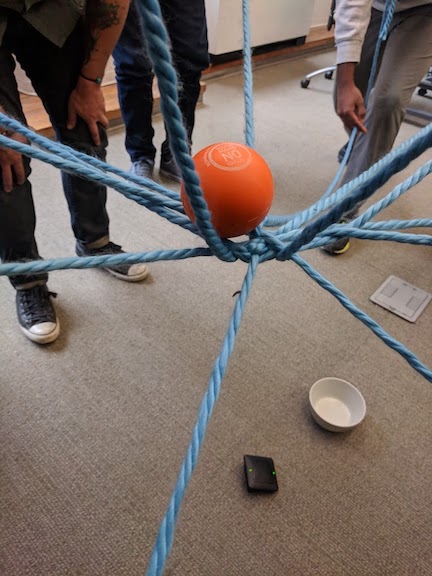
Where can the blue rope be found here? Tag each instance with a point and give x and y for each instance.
(72, 154)
(166, 531)
(420, 239)
(363, 192)
(248, 76)
(244, 251)
(162, 206)
(361, 220)
(289, 222)
(411, 358)
(398, 224)
(282, 244)
(342, 166)
(400, 189)
(81, 262)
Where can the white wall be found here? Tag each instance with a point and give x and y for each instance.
(321, 12)
(271, 21)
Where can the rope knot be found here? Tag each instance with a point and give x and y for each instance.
(257, 246)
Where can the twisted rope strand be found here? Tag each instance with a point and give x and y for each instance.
(166, 531)
(411, 358)
(248, 76)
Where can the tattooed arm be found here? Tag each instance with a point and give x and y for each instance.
(105, 20)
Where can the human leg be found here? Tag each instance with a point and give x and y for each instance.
(405, 61)
(134, 84)
(17, 215)
(187, 29)
(54, 73)
(35, 311)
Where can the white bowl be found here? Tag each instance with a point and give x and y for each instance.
(336, 404)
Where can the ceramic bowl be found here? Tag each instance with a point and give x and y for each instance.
(336, 404)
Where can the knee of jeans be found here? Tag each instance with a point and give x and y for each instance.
(79, 138)
(27, 172)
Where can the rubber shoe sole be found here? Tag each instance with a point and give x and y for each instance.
(136, 273)
(128, 273)
(342, 250)
(170, 176)
(47, 334)
(337, 252)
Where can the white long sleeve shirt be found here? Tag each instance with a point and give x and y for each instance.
(352, 19)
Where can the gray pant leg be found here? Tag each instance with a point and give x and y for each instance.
(406, 59)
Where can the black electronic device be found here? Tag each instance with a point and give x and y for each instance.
(260, 474)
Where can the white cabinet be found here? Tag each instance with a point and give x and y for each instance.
(271, 21)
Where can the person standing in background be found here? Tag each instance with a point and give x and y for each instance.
(404, 60)
(186, 24)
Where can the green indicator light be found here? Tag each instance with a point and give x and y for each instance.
(250, 470)
(274, 473)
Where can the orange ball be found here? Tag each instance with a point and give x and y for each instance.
(237, 185)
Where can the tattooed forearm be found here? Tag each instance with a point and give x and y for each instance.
(101, 17)
(103, 14)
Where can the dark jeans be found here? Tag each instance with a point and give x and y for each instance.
(186, 25)
(54, 72)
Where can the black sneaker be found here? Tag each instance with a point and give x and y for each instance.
(36, 314)
(143, 168)
(340, 245)
(127, 272)
(169, 168)
(341, 153)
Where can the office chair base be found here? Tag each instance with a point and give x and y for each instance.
(328, 73)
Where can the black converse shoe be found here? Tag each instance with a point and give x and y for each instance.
(36, 314)
(127, 272)
(169, 168)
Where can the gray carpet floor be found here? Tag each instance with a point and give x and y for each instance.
(93, 428)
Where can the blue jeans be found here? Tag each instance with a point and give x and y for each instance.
(54, 72)
(186, 25)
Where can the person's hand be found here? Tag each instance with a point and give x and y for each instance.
(349, 100)
(11, 163)
(350, 107)
(87, 101)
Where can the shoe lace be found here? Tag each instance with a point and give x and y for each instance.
(32, 302)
